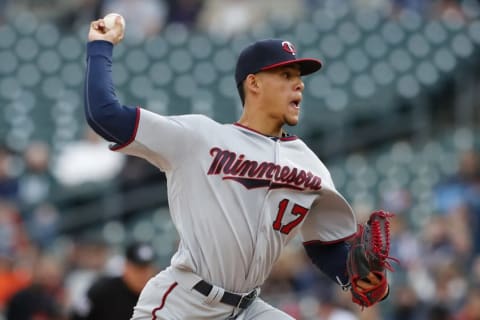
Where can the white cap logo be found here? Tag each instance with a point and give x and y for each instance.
(289, 47)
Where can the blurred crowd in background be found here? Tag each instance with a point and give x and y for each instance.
(214, 16)
(47, 269)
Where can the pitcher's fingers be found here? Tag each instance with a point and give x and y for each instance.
(373, 278)
(98, 24)
(364, 285)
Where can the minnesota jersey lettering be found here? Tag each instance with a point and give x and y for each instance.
(253, 174)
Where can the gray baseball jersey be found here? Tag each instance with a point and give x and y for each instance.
(237, 197)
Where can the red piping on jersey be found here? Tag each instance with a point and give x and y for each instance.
(134, 134)
(289, 138)
(164, 298)
(329, 242)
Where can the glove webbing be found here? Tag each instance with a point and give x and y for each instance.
(380, 247)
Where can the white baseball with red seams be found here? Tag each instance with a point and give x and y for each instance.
(110, 19)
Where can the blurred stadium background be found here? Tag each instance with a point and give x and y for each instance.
(394, 115)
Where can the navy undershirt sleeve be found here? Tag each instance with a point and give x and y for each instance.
(331, 259)
(104, 113)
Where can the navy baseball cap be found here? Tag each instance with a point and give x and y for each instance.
(271, 53)
(140, 253)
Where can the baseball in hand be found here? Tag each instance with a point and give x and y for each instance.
(109, 20)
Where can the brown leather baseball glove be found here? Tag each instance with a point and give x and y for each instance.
(367, 260)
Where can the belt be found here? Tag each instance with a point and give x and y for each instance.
(233, 299)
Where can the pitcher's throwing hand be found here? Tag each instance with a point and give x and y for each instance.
(113, 34)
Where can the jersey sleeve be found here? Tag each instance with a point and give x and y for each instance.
(330, 220)
(165, 141)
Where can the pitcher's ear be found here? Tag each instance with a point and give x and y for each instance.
(251, 82)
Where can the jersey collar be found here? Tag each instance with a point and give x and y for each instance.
(285, 135)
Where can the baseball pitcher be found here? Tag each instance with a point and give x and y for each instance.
(238, 193)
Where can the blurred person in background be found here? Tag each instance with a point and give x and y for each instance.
(44, 298)
(86, 262)
(407, 305)
(13, 237)
(447, 8)
(404, 244)
(185, 12)
(330, 309)
(43, 224)
(149, 15)
(8, 181)
(419, 6)
(231, 17)
(451, 286)
(35, 186)
(114, 297)
(12, 279)
(439, 312)
(438, 249)
(67, 15)
(77, 13)
(18, 255)
(458, 198)
(36, 181)
(461, 189)
(438, 276)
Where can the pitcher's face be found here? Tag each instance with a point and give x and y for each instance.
(281, 93)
